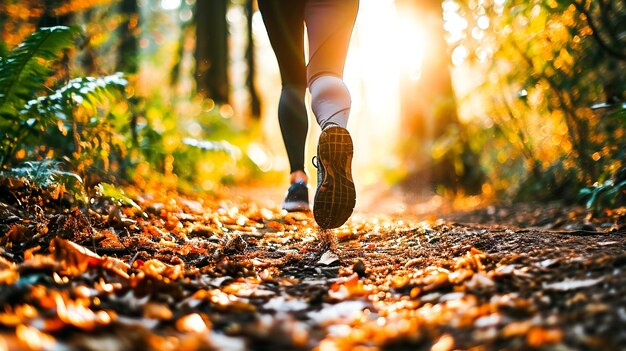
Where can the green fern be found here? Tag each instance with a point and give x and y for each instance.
(42, 173)
(48, 173)
(601, 196)
(26, 118)
(3, 50)
(24, 70)
(88, 92)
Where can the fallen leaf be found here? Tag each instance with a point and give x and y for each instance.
(538, 336)
(155, 310)
(399, 281)
(332, 313)
(480, 281)
(328, 258)
(160, 270)
(8, 272)
(444, 343)
(34, 339)
(192, 323)
(516, 329)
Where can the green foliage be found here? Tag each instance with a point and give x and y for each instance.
(116, 195)
(601, 196)
(213, 146)
(75, 124)
(48, 173)
(87, 92)
(190, 140)
(154, 135)
(556, 85)
(3, 49)
(42, 173)
(205, 160)
(24, 69)
(61, 123)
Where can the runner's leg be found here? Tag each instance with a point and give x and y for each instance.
(329, 27)
(284, 21)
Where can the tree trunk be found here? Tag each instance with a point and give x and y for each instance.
(128, 55)
(212, 50)
(179, 54)
(49, 19)
(255, 103)
(429, 111)
(87, 58)
(3, 19)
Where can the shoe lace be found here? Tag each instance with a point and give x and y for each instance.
(315, 162)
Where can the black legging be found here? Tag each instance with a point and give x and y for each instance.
(329, 27)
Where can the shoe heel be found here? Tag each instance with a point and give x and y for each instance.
(336, 195)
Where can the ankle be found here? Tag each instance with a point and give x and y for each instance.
(298, 176)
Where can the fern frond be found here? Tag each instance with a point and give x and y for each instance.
(88, 92)
(24, 69)
(3, 50)
(42, 173)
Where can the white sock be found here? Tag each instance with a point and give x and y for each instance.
(330, 101)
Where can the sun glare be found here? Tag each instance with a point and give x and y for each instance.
(170, 4)
(410, 43)
(377, 58)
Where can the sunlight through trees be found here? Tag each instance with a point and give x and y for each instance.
(494, 97)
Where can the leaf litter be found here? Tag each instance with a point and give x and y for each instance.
(165, 272)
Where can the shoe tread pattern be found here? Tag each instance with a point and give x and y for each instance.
(336, 196)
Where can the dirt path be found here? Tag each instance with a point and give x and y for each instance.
(220, 274)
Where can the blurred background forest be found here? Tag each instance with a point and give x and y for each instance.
(522, 100)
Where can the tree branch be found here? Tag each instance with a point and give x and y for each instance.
(596, 34)
(605, 9)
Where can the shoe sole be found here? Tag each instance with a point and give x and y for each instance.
(335, 196)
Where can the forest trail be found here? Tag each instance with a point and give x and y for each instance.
(229, 273)
(99, 249)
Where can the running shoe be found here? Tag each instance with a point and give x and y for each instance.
(335, 196)
(297, 199)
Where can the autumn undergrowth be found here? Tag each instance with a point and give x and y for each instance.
(84, 131)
